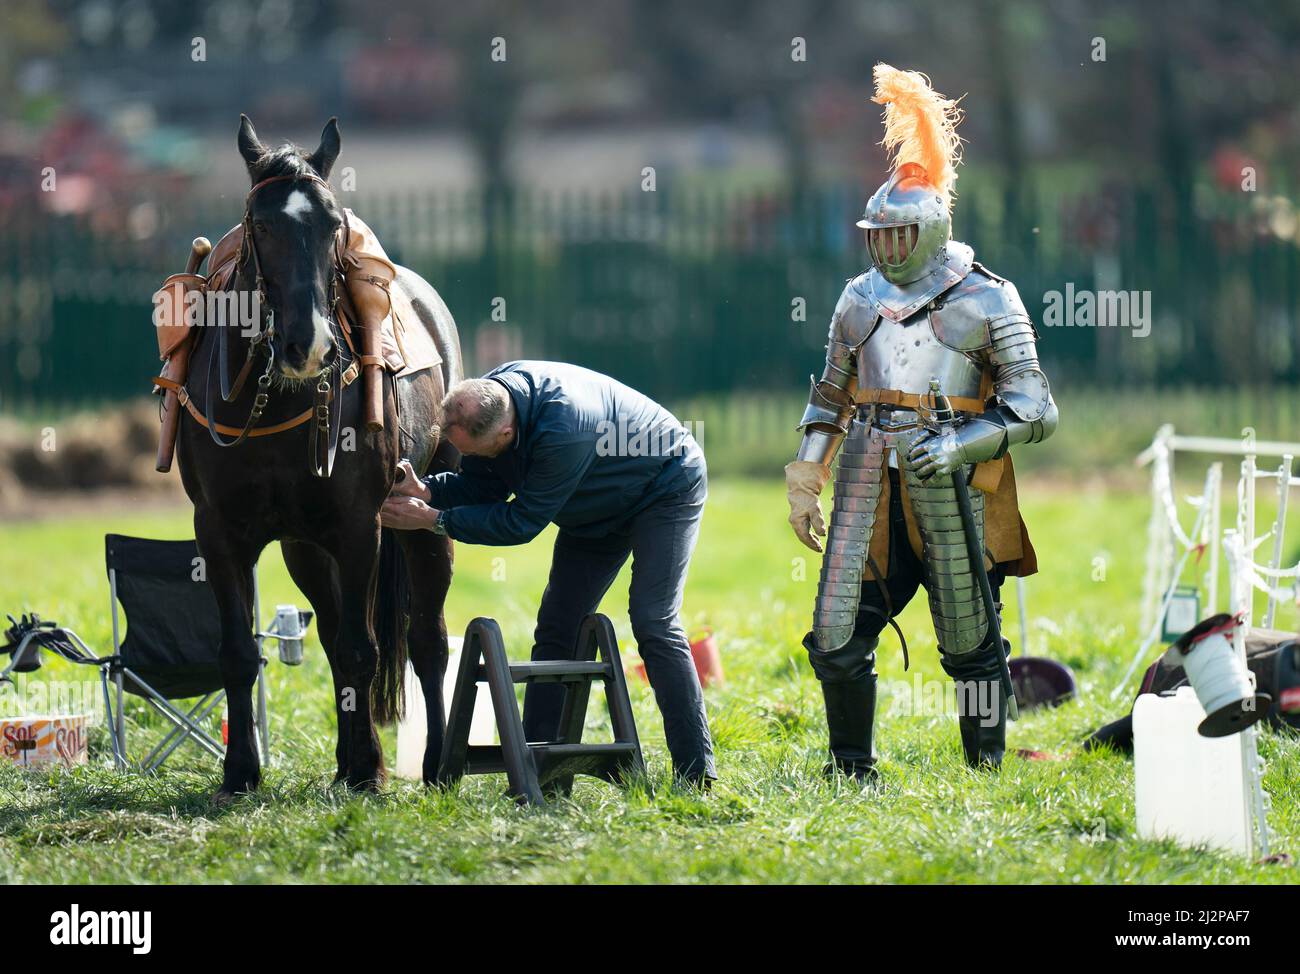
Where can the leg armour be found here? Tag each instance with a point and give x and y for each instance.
(853, 515)
(956, 606)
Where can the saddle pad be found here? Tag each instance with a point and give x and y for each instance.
(407, 347)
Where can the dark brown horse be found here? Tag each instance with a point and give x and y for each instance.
(361, 585)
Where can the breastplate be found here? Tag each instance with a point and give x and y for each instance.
(907, 356)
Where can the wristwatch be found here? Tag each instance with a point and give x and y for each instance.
(440, 523)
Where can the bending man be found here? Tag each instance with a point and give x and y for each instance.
(544, 443)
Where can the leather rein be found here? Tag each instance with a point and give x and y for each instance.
(322, 442)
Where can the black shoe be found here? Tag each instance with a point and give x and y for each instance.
(850, 714)
(981, 706)
(984, 735)
(697, 782)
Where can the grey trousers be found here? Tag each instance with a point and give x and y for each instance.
(660, 541)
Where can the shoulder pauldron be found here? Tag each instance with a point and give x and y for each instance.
(854, 320)
(963, 318)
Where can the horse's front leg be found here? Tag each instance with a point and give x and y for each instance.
(229, 567)
(312, 570)
(356, 656)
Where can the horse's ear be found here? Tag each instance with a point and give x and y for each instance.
(250, 146)
(322, 160)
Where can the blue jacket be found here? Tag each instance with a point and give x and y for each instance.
(589, 454)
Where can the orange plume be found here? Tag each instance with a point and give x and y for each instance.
(920, 125)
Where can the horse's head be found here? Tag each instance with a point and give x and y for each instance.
(293, 222)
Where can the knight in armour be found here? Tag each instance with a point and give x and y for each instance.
(925, 316)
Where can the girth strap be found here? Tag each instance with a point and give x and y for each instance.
(349, 376)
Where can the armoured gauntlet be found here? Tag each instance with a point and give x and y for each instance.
(804, 480)
(824, 424)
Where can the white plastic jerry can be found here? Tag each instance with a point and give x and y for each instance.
(1190, 788)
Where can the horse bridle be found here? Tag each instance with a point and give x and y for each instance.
(325, 423)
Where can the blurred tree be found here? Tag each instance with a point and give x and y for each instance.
(713, 58)
(489, 40)
(31, 39)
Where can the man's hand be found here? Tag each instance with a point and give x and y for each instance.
(407, 514)
(804, 480)
(934, 455)
(409, 484)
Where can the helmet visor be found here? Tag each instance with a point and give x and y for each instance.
(892, 246)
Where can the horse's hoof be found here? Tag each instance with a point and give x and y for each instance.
(223, 798)
(229, 791)
(368, 784)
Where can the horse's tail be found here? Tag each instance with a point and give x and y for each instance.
(392, 614)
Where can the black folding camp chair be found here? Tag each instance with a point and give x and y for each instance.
(170, 651)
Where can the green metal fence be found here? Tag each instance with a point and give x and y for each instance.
(684, 294)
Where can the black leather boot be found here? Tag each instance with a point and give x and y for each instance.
(981, 705)
(850, 714)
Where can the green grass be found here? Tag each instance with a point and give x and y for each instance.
(772, 817)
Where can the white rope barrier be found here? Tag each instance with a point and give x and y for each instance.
(1256, 575)
(1162, 472)
(1165, 530)
(1153, 633)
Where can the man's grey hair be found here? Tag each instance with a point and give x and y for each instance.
(478, 406)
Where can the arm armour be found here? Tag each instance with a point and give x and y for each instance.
(1023, 411)
(831, 403)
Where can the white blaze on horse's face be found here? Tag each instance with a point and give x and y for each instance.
(320, 347)
(299, 206)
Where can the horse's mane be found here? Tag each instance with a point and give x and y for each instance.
(284, 160)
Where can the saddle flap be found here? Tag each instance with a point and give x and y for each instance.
(222, 260)
(170, 311)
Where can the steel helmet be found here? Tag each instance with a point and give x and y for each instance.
(908, 225)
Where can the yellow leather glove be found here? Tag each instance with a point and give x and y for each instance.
(804, 480)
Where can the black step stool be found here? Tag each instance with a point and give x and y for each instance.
(536, 769)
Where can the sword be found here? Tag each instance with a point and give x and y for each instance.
(943, 417)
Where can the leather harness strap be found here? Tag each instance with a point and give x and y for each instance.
(241, 378)
(349, 376)
(889, 607)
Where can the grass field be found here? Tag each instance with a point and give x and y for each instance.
(772, 817)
